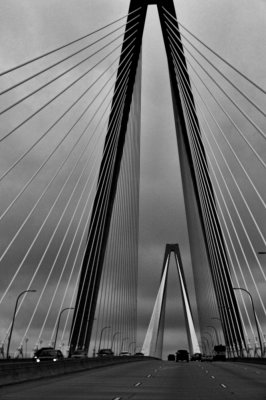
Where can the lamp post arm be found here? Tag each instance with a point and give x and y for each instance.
(216, 333)
(130, 345)
(113, 338)
(13, 319)
(123, 340)
(106, 327)
(255, 316)
(58, 323)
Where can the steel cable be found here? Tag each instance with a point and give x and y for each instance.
(63, 73)
(59, 62)
(258, 129)
(231, 219)
(215, 53)
(65, 45)
(60, 93)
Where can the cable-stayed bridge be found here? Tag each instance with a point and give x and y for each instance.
(70, 179)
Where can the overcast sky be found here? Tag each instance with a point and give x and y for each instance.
(236, 29)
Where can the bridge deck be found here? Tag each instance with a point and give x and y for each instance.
(152, 379)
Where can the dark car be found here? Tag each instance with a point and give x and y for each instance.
(219, 353)
(49, 354)
(171, 357)
(105, 353)
(196, 357)
(139, 354)
(39, 351)
(182, 355)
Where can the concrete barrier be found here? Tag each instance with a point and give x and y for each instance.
(250, 360)
(12, 372)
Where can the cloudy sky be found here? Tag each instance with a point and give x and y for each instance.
(236, 29)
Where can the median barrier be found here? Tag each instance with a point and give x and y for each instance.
(12, 372)
(251, 360)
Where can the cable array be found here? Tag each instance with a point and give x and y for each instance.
(239, 192)
(121, 254)
(55, 118)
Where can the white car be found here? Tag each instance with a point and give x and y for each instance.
(80, 354)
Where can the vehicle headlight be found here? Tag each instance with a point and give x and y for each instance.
(54, 359)
(38, 360)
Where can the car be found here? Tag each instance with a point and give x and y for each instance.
(105, 353)
(124, 353)
(49, 355)
(219, 353)
(39, 351)
(79, 354)
(196, 357)
(182, 355)
(206, 357)
(139, 354)
(171, 357)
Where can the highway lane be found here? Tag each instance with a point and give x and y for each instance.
(247, 381)
(145, 380)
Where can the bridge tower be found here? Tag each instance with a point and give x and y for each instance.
(153, 342)
(198, 193)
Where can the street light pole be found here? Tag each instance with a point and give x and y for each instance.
(130, 345)
(122, 343)
(255, 316)
(106, 327)
(14, 316)
(58, 323)
(208, 333)
(208, 345)
(113, 338)
(26, 343)
(221, 322)
(216, 333)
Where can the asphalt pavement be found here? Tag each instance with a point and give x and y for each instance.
(146, 380)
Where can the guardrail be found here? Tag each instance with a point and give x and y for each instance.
(16, 371)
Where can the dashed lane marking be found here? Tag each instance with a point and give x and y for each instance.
(148, 376)
(223, 386)
(137, 384)
(213, 377)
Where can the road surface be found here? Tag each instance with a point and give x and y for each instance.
(151, 379)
